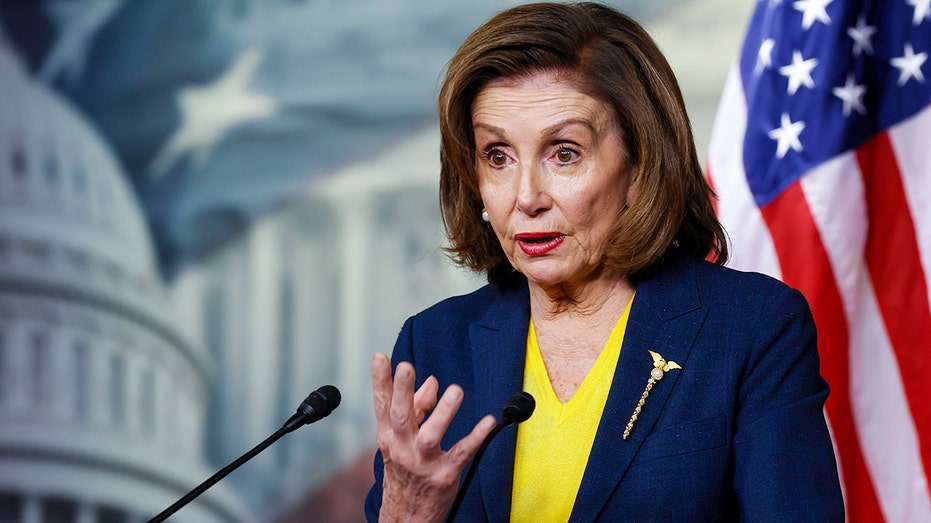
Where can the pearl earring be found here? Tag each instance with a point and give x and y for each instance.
(485, 215)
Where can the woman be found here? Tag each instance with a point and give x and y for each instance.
(667, 386)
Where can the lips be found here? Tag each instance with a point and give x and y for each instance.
(538, 243)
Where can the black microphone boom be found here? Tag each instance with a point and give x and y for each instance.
(318, 405)
(517, 409)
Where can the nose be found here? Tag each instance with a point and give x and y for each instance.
(532, 195)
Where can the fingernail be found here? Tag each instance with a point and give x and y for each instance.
(454, 393)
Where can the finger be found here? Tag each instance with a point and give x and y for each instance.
(381, 388)
(460, 453)
(432, 431)
(425, 398)
(402, 400)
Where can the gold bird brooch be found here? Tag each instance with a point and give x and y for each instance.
(660, 368)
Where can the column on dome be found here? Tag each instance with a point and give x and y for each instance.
(117, 380)
(80, 202)
(18, 358)
(171, 433)
(189, 435)
(6, 372)
(85, 513)
(20, 163)
(60, 375)
(41, 363)
(31, 509)
(50, 176)
(134, 368)
(82, 379)
(99, 383)
(147, 398)
(161, 396)
(186, 433)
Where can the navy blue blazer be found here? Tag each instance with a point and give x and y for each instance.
(737, 434)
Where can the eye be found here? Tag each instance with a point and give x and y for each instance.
(566, 155)
(495, 157)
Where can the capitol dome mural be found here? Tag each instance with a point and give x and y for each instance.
(102, 400)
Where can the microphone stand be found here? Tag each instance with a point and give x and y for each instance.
(222, 473)
(518, 408)
(318, 405)
(471, 472)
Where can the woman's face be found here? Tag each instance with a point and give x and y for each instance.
(552, 173)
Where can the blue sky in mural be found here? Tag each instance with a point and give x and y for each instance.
(219, 109)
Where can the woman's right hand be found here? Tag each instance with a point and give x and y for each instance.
(420, 479)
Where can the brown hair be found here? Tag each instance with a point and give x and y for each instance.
(611, 58)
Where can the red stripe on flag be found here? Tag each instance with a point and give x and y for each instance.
(714, 194)
(894, 264)
(805, 266)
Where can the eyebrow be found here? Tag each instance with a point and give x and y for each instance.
(555, 128)
(548, 131)
(490, 128)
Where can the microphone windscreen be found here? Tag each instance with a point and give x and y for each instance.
(325, 399)
(320, 403)
(518, 408)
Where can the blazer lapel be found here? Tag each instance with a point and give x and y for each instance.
(665, 318)
(498, 348)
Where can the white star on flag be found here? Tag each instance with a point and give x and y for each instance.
(764, 58)
(812, 11)
(786, 136)
(852, 95)
(862, 36)
(909, 65)
(922, 10)
(799, 72)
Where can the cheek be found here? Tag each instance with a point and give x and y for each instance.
(596, 214)
(494, 197)
(593, 204)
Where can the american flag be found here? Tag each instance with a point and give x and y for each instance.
(821, 158)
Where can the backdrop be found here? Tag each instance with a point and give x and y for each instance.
(209, 209)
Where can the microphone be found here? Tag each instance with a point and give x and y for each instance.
(318, 405)
(517, 409)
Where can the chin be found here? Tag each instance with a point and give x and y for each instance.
(552, 272)
(548, 277)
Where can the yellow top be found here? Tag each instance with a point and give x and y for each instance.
(554, 444)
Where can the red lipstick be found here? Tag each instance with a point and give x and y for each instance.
(538, 243)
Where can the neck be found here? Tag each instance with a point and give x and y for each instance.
(595, 300)
(572, 324)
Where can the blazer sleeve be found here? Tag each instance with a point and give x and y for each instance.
(403, 351)
(784, 460)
